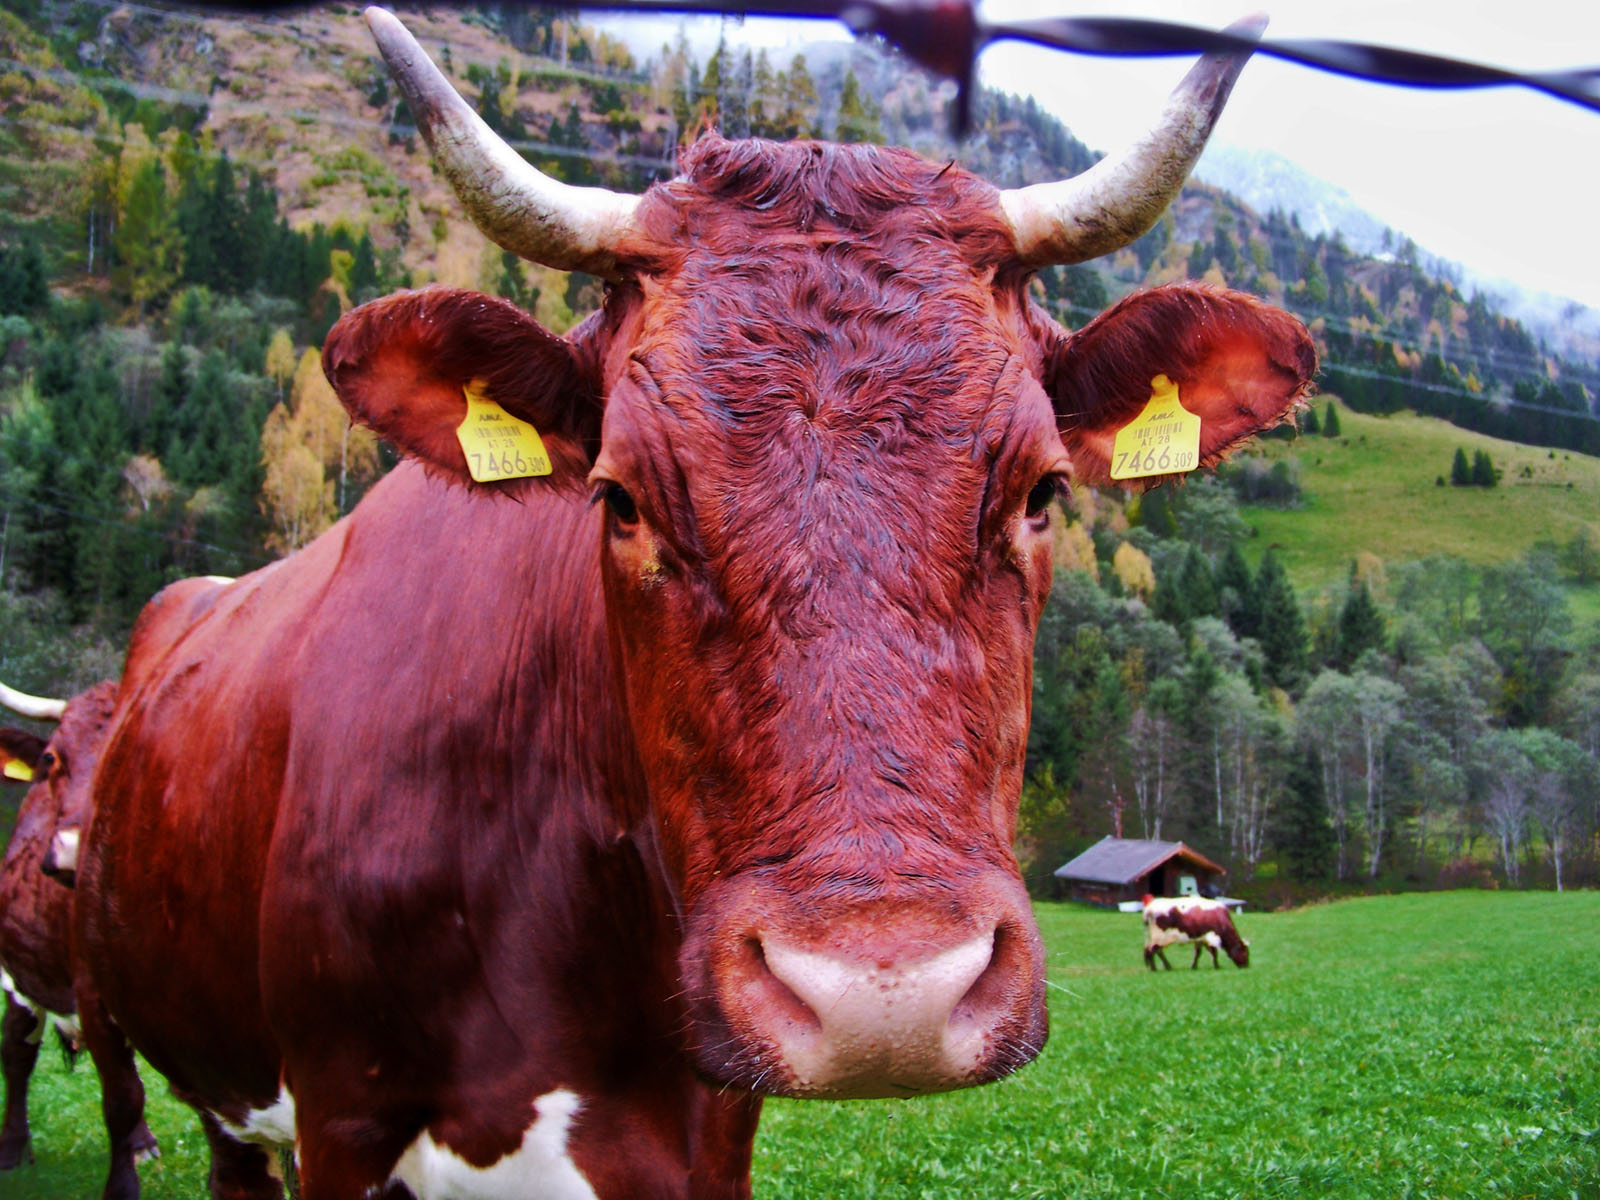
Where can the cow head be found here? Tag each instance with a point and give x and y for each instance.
(58, 802)
(823, 427)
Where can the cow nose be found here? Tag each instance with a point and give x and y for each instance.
(873, 1025)
(888, 1009)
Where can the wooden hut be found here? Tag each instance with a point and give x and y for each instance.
(1117, 869)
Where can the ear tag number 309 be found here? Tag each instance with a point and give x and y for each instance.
(498, 445)
(1164, 438)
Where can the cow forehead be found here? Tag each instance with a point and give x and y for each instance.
(823, 360)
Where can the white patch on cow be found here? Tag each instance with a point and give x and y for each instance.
(64, 846)
(271, 1126)
(539, 1170)
(68, 1025)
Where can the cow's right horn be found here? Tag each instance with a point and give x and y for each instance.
(38, 707)
(515, 205)
(1120, 197)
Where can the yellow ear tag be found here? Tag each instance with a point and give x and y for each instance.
(498, 445)
(17, 769)
(1162, 439)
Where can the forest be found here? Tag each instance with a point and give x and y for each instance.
(166, 284)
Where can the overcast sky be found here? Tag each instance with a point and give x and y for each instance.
(1506, 181)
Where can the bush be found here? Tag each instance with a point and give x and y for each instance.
(1467, 873)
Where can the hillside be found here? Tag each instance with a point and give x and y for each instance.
(1374, 490)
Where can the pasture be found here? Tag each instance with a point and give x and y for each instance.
(1427, 1045)
(1374, 489)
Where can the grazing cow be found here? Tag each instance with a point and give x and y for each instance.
(1178, 920)
(37, 967)
(35, 918)
(517, 836)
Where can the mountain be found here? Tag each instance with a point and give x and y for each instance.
(1268, 182)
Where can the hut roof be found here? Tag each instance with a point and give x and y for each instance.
(1122, 860)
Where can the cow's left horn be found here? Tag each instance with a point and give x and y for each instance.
(39, 708)
(1119, 198)
(515, 205)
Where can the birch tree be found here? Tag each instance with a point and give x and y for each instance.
(1508, 790)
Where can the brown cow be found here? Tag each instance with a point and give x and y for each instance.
(1179, 920)
(36, 970)
(516, 837)
(39, 972)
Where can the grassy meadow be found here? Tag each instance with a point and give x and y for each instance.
(1427, 1045)
(1374, 490)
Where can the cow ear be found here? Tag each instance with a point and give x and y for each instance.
(403, 366)
(19, 754)
(1239, 365)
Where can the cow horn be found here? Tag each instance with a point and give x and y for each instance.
(1119, 198)
(37, 707)
(516, 206)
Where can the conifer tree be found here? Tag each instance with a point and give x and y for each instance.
(1304, 836)
(858, 120)
(172, 386)
(763, 98)
(1283, 629)
(1361, 626)
(1460, 472)
(1198, 585)
(364, 271)
(798, 115)
(1330, 423)
(1155, 512)
(1310, 425)
(148, 244)
(1483, 472)
(1168, 603)
(713, 87)
(1236, 595)
(23, 285)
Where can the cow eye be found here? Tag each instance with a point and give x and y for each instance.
(1043, 494)
(46, 761)
(620, 503)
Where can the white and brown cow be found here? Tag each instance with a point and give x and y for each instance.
(1179, 920)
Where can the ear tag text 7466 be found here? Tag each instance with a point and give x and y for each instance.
(1164, 438)
(498, 445)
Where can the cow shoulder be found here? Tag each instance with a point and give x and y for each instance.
(1240, 365)
(402, 364)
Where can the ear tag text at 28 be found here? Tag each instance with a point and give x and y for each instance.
(1164, 438)
(498, 445)
(15, 768)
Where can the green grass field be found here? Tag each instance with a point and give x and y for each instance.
(1429, 1045)
(1374, 490)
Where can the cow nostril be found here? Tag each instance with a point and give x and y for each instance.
(766, 992)
(995, 990)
